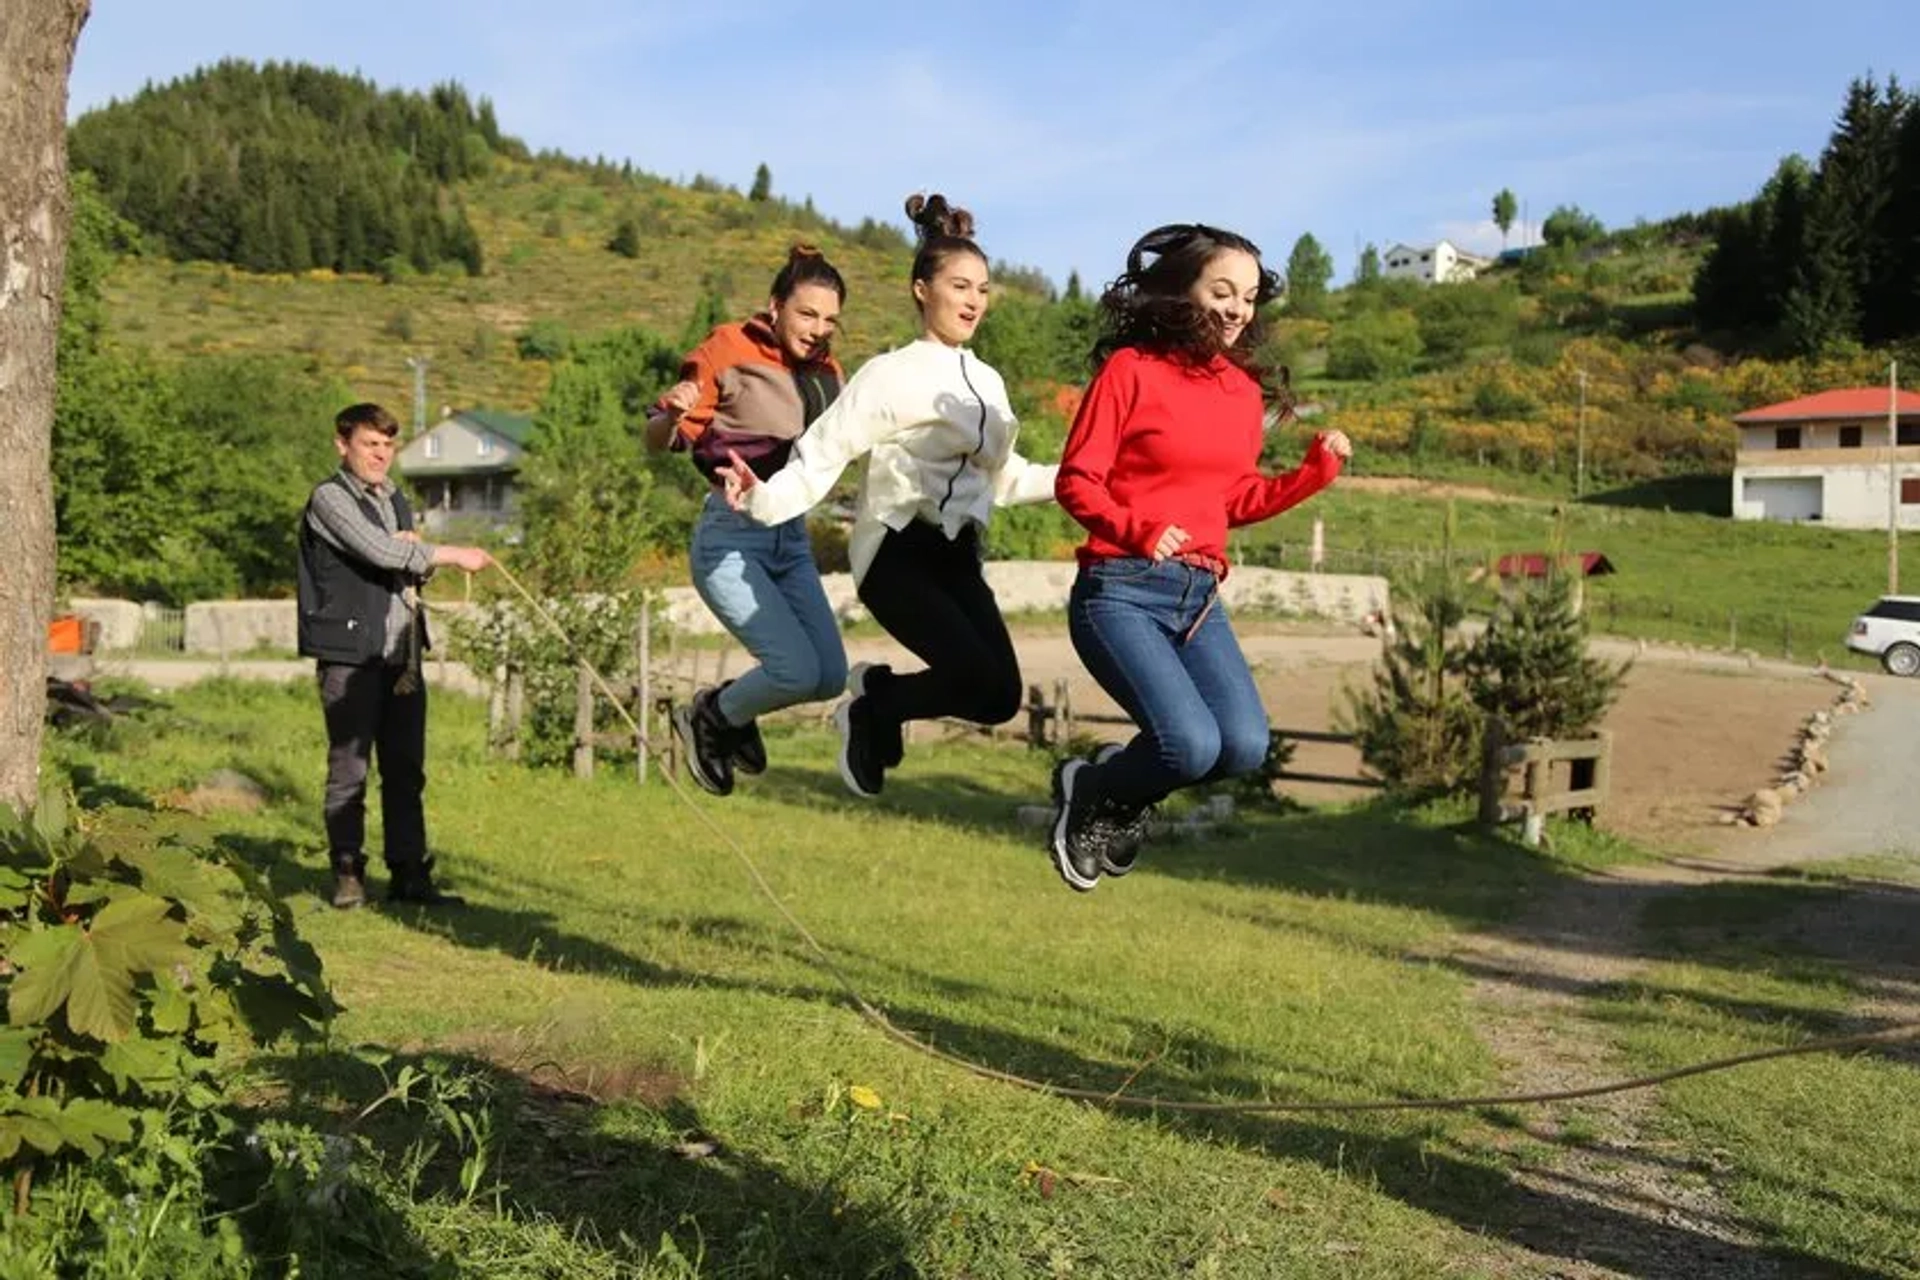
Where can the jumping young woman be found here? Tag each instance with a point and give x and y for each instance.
(1160, 463)
(747, 394)
(934, 423)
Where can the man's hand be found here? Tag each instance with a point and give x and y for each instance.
(1337, 444)
(407, 535)
(472, 559)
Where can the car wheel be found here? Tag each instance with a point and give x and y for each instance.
(1902, 659)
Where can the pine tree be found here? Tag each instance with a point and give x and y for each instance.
(762, 184)
(1504, 208)
(1367, 270)
(1416, 726)
(625, 240)
(1531, 669)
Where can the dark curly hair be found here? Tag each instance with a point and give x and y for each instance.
(942, 230)
(1148, 307)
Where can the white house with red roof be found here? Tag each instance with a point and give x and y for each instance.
(1828, 457)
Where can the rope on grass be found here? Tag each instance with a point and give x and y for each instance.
(873, 1015)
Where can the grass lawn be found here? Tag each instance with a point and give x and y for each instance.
(672, 1089)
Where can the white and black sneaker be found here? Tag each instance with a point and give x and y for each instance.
(862, 767)
(1123, 828)
(1075, 840)
(860, 679)
(708, 740)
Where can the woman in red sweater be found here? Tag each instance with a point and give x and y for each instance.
(1160, 463)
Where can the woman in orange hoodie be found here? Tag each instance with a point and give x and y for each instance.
(748, 392)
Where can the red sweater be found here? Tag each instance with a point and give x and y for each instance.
(1158, 442)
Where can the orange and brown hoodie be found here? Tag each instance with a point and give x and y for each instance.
(753, 400)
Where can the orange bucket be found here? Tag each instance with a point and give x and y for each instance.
(67, 634)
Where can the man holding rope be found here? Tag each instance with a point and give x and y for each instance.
(361, 569)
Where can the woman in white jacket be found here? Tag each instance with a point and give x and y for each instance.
(935, 425)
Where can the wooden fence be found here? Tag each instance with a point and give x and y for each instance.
(1565, 776)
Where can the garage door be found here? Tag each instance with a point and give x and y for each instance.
(1783, 497)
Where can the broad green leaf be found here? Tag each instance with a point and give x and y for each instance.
(169, 871)
(9, 1136)
(47, 959)
(170, 1007)
(38, 1121)
(130, 936)
(16, 1054)
(142, 1061)
(89, 1124)
(13, 880)
(50, 815)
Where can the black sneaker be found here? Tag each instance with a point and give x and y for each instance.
(1123, 828)
(893, 746)
(862, 767)
(707, 737)
(1076, 841)
(745, 747)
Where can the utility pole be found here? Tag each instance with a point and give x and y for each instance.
(1580, 443)
(419, 366)
(1893, 478)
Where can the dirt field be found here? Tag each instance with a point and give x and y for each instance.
(1690, 739)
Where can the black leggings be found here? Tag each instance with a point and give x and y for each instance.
(928, 592)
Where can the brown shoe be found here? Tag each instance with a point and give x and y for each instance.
(349, 891)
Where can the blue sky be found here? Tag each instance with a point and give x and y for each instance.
(1070, 126)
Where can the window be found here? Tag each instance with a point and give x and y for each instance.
(1786, 437)
(1910, 491)
(1850, 437)
(485, 446)
(1899, 610)
(433, 446)
(1426, 257)
(1907, 433)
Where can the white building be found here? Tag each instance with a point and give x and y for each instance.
(463, 468)
(1826, 457)
(1442, 263)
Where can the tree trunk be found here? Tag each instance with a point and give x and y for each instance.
(36, 54)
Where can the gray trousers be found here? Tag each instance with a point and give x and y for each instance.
(367, 719)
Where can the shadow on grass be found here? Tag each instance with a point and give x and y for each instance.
(1705, 495)
(619, 1170)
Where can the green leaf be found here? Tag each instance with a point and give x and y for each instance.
(50, 815)
(170, 1007)
(142, 1061)
(130, 936)
(89, 1124)
(14, 881)
(47, 959)
(9, 1137)
(16, 1054)
(38, 1121)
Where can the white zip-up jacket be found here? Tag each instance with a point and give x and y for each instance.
(936, 422)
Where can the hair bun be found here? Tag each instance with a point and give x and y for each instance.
(803, 252)
(933, 216)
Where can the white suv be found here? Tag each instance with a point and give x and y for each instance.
(1890, 631)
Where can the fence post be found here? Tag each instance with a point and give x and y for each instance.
(1493, 774)
(643, 658)
(1063, 709)
(516, 699)
(1036, 717)
(583, 724)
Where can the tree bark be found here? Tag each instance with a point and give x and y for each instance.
(36, 54)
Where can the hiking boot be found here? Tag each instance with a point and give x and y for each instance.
(862, 767)
(708, 740)
(1123, 827)
(746, 749)
(349, 890)
(418, 888)
(1076, 840)
(860, 679)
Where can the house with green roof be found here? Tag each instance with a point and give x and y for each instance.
(463, 468)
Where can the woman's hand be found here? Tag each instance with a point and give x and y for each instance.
(680, 398)
(1171, 539)
(736, 480)
(1337, 444)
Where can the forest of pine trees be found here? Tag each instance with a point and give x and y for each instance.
(1827, 254)
(286, 167)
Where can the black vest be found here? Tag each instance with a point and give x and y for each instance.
(343, 601)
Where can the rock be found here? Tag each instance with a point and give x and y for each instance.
(226, 790)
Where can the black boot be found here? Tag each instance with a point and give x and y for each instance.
(415, 885)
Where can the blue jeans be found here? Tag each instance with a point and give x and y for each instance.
(1156, 637)
(762, 584)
